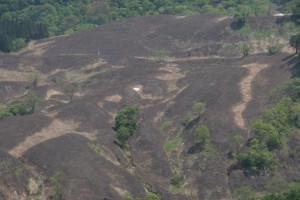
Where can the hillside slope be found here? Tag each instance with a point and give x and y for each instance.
(161, 64)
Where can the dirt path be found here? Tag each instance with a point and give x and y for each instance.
(246, 91)
(182, 59)
(56, 129)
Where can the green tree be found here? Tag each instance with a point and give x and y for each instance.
(70, 91)
(30, 101)
(243, 12)
(245, 49)
(267, 134)
(202, 134)
(18, 43)
(295, 42)
(296, 10)
(198, 108)
(258, 157)
(177, 179)
(126, 123)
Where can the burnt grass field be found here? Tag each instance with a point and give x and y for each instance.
(161, 64)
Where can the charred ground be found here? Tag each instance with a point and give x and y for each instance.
(174, 62)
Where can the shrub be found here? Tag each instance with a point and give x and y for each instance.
(177, 179)
(126, 123)
(274, 49)
(295, 42)
(152, 196)
(202, 134)
(198, 108)
(267, 134)
(123, 134)
(188, 118)
(245, 49)
(70, 91)
(258, 157)
(13, 110)
(161, 54)
(239, 141)
(173, 144)
(166, 124)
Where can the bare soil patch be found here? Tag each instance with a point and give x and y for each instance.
(172, 77)
(246, 91)
(114, 98)
(9, 75)
(56, 129)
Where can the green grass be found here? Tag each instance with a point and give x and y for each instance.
(173, 145)
(175, 190)
(165, 125)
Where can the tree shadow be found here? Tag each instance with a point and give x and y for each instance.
(236, 25)
(196, 148)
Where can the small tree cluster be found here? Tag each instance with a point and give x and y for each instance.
(70, 91)
(126, 123)
(197, 109)
(26, 107)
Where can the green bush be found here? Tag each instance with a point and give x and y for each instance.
(267, 134)
(177, 179)
(202, 134)
(245, 49)
(198, 108)
(152, 196)
(15, 109)
(166, 124)
(274, 49)
(126, 123)
(123, 133)
(258, 157)
(173, 145)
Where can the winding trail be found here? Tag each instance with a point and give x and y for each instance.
(246, 91)
(56, 129)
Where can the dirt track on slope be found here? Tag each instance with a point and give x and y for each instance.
(56, 129)
(246, 91)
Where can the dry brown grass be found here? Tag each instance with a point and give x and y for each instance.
(114, 98)
(246, 91)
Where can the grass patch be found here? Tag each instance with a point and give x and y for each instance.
(176, 190)
(95, 147)
(165, 125)
(173, 145)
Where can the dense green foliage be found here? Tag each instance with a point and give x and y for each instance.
(13, 110)
(126, 123)
(26, 107)
(24, 20)
(271, 132)
(202, 135)
(14, 34)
